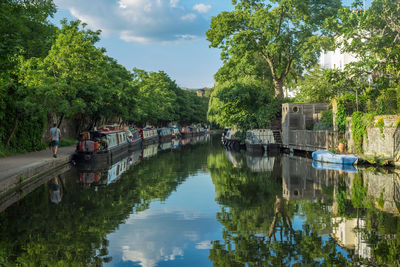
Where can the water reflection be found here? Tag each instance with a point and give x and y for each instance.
(320, 216)
(150, 151)
(103, 176)
(199, 205)
(56, 190)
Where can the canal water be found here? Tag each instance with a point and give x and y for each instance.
(192, 203)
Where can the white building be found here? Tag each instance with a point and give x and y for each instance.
(336, 59)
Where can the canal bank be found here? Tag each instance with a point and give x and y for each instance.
(19, 170)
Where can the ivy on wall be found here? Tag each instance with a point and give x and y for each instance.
(359, 123)
(341, 116)
(28, 134)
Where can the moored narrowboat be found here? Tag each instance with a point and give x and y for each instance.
(230, 140)
(134, 139)
(101, 145)
(260, 140)
(164, 134)
(186, 131)
(149, 135)
(175, 131)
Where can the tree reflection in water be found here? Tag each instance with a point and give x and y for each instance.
(258, 221)
(35, 232)
(274, 211)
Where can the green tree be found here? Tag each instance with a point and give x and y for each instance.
(156, 103)
(24, 33)
(245, 105)
(286, 34)
(321, 85)
(119, 94)
(373, 36)
(69, 79)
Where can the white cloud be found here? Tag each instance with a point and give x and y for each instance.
(204, 245)
(173, 3)
(202, 8)
(157, 235)
(189, 17)
(142, 21)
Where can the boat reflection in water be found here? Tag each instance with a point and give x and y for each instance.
(150, 151)
(185, 141)
(175, 143)
(165, 146)
(101, 174)
(200, 139)
(260, 162)
(202, 206)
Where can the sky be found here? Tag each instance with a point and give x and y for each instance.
(154, 35)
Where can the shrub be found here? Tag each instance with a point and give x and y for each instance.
(387, 102)
(326, 122)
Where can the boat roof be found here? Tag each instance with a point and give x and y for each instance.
(109, 131)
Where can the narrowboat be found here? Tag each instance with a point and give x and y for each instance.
(229, 139)
(175, 131)
(195, 131)
(186, 131)
(260, 139)
(149, 135)
(164, 134)
(104, 144)
(134, 139)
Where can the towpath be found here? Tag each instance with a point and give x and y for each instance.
(13, 169)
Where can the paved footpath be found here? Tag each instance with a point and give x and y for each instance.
(28, 165)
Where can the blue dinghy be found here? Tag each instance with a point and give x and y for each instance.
(332, 166)
(326, 156)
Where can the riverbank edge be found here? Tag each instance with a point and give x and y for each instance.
(363, 161)
(30, 173)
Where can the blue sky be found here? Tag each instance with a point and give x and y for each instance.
(155, 35)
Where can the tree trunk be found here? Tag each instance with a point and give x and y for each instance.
(278, 83)
(60, 121)
(13, 131)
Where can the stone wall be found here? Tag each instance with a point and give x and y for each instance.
(68, 129)
(385, 184)
(376, 143)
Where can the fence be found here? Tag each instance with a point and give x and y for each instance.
(311, 140)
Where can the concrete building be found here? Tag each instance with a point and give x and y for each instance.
(297, 123)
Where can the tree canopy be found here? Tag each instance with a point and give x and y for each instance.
(287, 35)
(52, 73)
(246, 105)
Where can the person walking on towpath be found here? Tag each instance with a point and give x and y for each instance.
(55, 135)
